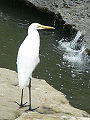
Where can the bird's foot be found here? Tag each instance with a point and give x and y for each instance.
(21, 105)
(30, 109)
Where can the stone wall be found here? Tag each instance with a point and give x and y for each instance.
(73, 12)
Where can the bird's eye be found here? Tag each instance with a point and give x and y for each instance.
(39, 26)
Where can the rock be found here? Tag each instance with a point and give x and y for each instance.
(75, 13)
(53, 104)
(36, 116)
(9, 93)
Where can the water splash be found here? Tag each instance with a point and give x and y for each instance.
(74, 51)
(74, 42)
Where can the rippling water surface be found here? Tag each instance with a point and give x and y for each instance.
(64, 65)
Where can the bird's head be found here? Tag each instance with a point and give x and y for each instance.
(37, 26)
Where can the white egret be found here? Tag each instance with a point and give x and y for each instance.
(28, 58)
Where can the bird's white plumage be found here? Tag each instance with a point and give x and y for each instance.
(28, 55)
(28, 58)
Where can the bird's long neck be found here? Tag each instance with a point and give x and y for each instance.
(34, 34)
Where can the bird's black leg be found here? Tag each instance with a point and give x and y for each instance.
(22, 105)
(30, 95)
(30, 109)
(22, 97)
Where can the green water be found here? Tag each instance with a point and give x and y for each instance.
(15, 17)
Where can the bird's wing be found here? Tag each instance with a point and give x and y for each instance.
(28, 58)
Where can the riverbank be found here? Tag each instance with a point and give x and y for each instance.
(72, 13)
(53, 104)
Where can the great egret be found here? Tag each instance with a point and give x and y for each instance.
(28, 58)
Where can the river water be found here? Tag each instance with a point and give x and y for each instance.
(64, 65)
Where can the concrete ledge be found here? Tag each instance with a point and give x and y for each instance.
(53, 103)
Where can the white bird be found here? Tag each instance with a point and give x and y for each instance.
(28, 58)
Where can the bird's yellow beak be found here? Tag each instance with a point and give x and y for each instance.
(46, 27)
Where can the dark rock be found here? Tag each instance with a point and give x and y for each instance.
(73, 12)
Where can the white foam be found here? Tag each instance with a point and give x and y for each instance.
(74, 42)
(70, 53)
